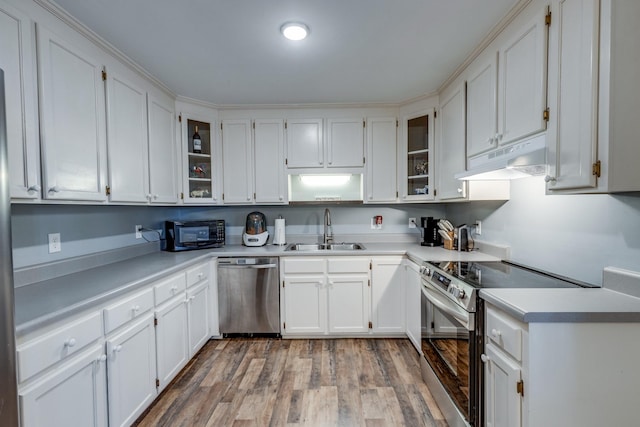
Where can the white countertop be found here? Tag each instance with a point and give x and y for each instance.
(48, 301)
(565, 305)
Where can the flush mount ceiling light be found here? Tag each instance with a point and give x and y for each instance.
(294, 30)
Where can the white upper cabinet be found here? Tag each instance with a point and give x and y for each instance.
(268, 146)
(451, 158)
(381, 166)
(237, 161)
(417, 152)
(163, 171)
(305, 148)
(72, 113)
(17, 60)
(482, 108)
(345, 143)
(594, 63)
(127, 143)
(200, 166)
(522, 79)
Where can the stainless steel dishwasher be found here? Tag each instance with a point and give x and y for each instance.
(249, 296)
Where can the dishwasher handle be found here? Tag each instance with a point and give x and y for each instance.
(254, 266)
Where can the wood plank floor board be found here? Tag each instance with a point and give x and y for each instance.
(273, 382)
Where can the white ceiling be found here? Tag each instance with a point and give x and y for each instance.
(230, 52)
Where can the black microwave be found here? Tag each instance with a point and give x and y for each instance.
(188, 235)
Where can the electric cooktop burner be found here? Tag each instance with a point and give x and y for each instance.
(503, 274)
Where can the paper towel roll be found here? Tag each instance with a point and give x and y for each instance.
(278, 234)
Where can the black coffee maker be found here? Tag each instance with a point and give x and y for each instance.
(430, 235)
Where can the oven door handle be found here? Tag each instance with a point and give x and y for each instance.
(435, 299)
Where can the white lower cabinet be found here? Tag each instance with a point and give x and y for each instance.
(74, 394)
(171, 339)
(131, 364)
(348, 303)
(503, 405)
(413, 292)
(304, 305)
(198, 316)
(387, 295)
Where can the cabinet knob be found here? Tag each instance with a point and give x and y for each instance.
(460, 190)
(496, 333)
(135, 308)
(200, 275)
(155, 197)
(174, 289)
(192, 297)
(490, 141)
(370, 197)
(498, 136)
(70, 342)
(33, 188)
(117, 349)
(550, 179)
(281, 198)
(484, 358)
(102, 358)
(54, 189)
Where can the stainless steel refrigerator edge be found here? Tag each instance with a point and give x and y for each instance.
(249, 296)
(8, 382)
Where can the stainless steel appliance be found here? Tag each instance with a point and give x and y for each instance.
(255, 230)
(453, 328)
(249, 296)
(8, 382)
(188, 235)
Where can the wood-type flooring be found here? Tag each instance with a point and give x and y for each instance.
(272, 382)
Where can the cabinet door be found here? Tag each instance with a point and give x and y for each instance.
(522, 82)
(163, 174)
(200, 172)
(198, 316)
(413, 289)
(305, 305)
(345, 143)
(451, 153)
(348, 303)
(270, 179)
(74, 394)
(382, 165)
(503, 404)
(304, 143)
(72, 112)
(237, 161)
(417, 147)
(171, 339)
(482, 110)
(573, 88)
(387, 295)
(128, 140)
(17, 59)
(131, 359)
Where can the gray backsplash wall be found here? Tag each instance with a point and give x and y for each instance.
(90, 229)
(572, 235)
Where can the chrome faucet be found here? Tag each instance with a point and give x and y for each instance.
(328, 237)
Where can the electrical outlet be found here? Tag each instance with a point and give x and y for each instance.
(478, 225)
(138, 232)
(375, 226)
(54, 243)
(412, 223)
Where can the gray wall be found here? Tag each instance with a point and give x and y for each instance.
(573, 235)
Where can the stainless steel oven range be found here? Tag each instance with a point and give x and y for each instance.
(453, 328)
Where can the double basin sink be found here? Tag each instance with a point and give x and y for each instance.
(325, 247)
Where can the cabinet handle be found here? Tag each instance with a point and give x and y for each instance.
(484, 358)
(70, 342)
(102, 358)
(117, 349)
(33, 188)
(54, 189)
(496, 333)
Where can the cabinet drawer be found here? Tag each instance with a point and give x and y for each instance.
(128, 309)
(197, 274)
(348, 265)
(303, 265)
(168, 288)
(40, 353)
(505, 333)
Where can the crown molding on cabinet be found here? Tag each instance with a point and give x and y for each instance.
(68, 19)
(486, 41)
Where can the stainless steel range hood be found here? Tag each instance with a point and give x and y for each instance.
(519, 160)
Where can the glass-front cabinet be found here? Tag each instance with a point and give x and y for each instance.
(199, 166)
(419, 157)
